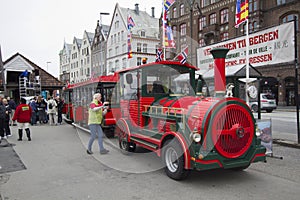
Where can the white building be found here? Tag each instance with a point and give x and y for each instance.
(75, 60)
(144, 42)
(85, 56)
(64, 63)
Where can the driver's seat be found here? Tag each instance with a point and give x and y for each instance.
(158, 88)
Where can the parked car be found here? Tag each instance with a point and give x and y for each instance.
(267, 103)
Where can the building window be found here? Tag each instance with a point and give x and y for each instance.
(139, 47)
(139, 61)
(212, 19)
(182, 29)
(122, 35)
(224, 36)
(202, 23)
(280, 2)
(224, 16)
(289, 18)
(117, 50)
(117, 24)
(181, 9)
(143, 34)
(201, 42)
(174, 29)
(145, 48)
(253, 5)
(174, 12)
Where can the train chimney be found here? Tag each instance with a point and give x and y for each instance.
(219, 55)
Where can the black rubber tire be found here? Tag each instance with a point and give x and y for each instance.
(174, 168)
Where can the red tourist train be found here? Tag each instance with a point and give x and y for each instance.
(156, 106)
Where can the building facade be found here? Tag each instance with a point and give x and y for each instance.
(99, 50)
(144, 40)
(206, 22)
(64, 63)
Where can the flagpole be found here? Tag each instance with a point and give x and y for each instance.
(163, 30)
(247, 61)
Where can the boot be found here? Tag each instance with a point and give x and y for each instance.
(20, 135)
(28, 134)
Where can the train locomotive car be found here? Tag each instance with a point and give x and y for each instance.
(161, 111)
(78, 96)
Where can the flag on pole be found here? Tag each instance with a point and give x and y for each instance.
(242, 12)
(130, 22)
(168, 4)
(129, 52)
(182, 57)
(159, 55)
(168, 38)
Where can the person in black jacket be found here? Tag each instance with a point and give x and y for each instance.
(12, 104)
(2, 119)
(7, 117)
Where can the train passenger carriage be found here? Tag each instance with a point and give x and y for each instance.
(78, 97)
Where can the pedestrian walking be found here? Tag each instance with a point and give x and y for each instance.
(7, 118)
(41, 107)
(60, 105)
(12, 104)
(33, 106)
(2, 119)
(52, 111)
(96, 109)
(23, 117)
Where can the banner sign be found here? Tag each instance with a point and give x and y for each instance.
(270, 46)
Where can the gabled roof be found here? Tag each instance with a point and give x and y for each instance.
(90, 36)
(20, 63)
(142, 20)
(78, 42)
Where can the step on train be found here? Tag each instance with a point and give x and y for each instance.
(157, 106)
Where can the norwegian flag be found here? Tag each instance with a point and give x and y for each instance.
(182, 57)
(159, 55)
(130, 22)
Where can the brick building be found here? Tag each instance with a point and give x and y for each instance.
(209, 22)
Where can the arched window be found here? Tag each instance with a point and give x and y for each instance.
(290, 17)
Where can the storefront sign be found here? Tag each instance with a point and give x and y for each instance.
(270, 46)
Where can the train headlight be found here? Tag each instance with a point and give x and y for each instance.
(195, 135)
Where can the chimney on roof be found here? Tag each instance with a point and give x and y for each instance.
(137, 8)
(153, 11)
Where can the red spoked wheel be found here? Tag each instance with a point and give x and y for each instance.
(232, 130)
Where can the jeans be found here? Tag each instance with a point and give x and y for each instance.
(96, 130)
(33, 118)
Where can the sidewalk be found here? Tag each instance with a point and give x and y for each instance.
(284, 142)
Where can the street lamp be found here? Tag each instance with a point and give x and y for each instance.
(47, 65)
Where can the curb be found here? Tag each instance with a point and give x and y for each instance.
(286, 143)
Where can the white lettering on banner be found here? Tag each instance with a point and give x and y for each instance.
(270, 46)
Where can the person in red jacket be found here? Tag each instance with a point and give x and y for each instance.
(22, 116)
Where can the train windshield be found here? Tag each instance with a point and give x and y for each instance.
(168, 79)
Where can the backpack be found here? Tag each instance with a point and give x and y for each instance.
(50, 106)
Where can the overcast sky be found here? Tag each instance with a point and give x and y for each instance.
(37, 28)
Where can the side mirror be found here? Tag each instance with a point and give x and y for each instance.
(129, 79)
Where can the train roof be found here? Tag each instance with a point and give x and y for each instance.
(104, 79)
(165, 62)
